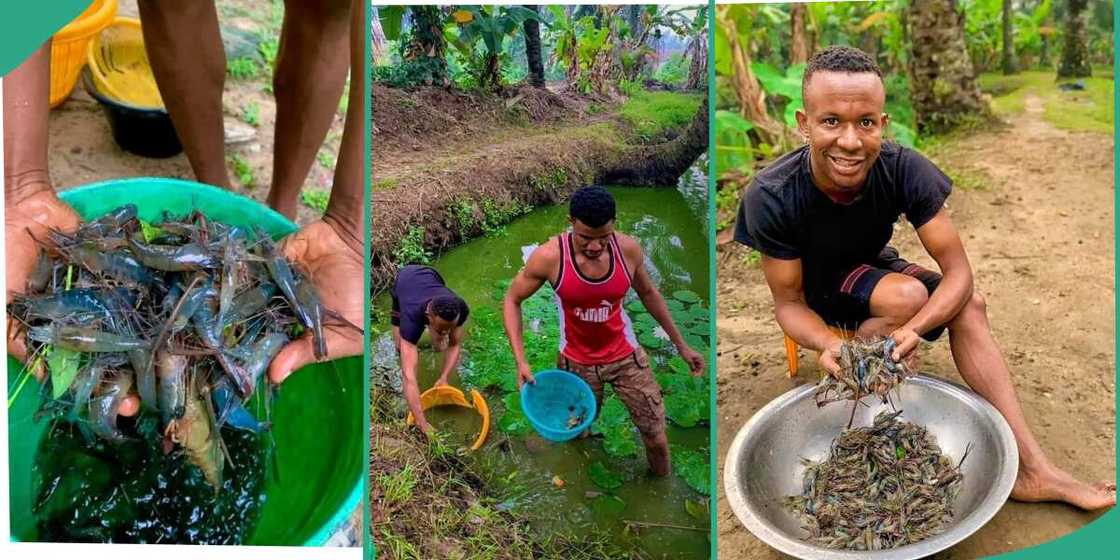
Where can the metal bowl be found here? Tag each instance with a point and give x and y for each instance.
(763, 465)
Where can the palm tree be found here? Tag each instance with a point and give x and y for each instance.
(1075, 53)
(942, 81)
(533, 49)
(1008, 40)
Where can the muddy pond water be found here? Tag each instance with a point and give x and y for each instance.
(601, 483)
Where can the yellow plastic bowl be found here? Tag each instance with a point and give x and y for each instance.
(445, 395)
(68, 47)
(119, 67)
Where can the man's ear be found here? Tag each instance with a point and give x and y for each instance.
(802, 123)
(886, 123)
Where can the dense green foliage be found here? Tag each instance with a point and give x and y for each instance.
(483, 47)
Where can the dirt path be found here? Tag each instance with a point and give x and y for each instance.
(1040, 239)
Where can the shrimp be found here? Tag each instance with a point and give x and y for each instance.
(172, 372)
(85, 339)
(170, 258)
(198, 434)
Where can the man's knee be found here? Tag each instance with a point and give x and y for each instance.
(975, 308)
(904, 298)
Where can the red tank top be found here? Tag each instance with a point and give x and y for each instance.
(594, 328)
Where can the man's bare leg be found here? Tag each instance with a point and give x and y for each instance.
(184, 46)
(982, 366)
(310, 75)
(980, 363)
(657, 453)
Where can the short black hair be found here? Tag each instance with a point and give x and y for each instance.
(450, 308)
(840, 58)
(593, 206)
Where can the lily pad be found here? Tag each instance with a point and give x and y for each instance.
(674, 306)
(686, 296)
(63, 365)
(650, 341)
(697, 509)
(692, 466)
(635, 306)
(684, 410)
(616, 428)
(678, 365)
(604, 477)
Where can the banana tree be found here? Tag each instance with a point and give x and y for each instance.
(491, 25)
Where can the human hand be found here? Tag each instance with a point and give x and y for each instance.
(693, 358)
(830, 358)
(524, 375)
(441, 381)
(335, 268)
(905, 343)
(27, 221)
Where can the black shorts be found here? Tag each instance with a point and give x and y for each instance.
(843, 297)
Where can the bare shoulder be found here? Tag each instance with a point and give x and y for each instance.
(630, 246)
(544, 258)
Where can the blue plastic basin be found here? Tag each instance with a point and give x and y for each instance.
(556, 398)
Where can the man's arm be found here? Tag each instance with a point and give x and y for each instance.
(410, 358)
(942, 242)
(798, 321)
(451, 354)
(528, 280)
(654, 302)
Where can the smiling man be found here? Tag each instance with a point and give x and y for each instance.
(822, 216)
(422, 299)
(591, 268)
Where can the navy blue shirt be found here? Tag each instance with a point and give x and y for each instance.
(785, 216)
(415, 286)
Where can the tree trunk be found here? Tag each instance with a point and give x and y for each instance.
(1009, 66)
(1075, 53)
(698, 63)
(942, 81)
(799, 45)
(426, 47)
(492, 72)
(533, 50)
(378, 43)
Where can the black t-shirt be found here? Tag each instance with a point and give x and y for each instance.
(416, 285)
(785, 216)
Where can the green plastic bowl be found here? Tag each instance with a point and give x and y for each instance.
(317, 421)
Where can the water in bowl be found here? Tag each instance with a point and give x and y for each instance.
(95, 491)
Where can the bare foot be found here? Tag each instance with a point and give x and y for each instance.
(1055, 485)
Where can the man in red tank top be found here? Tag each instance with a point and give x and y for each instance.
(591, 268)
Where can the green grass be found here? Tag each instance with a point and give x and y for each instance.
(397, 487)
(384, 184)
(1090, 110)
(251, 114)
(316, 198)
(243, 171)
(653, 112)
(243, 68)
(326, 158)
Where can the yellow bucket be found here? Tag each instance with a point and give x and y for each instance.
(119, 67)
(445, 395)
(68, 47)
